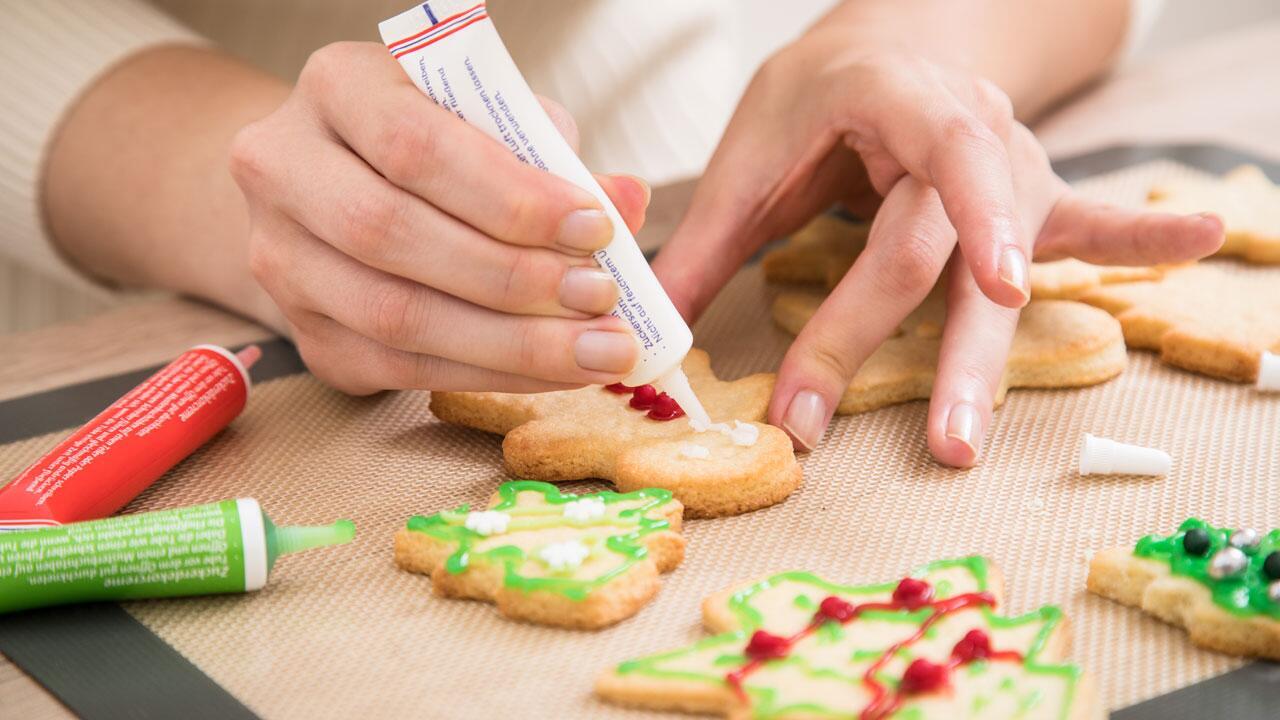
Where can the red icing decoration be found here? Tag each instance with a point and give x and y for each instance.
(912, 593)
(975, 645)
(661, 406)
(766, 646)
(665, 408)
(643, 397)
(922, 676)
(833, 608)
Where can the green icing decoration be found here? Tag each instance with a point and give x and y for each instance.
(764, 700)
(1245, 594)
(804, 602)
(449, 527)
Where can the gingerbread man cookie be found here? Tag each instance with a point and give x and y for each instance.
(636, 438)
(579, 561)
(932, 645)
(1210, 317)
(1058, 344)
(1246, 200)
(822, 252)
(1222, 585)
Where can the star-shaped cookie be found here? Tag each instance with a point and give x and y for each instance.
(593, 432)
(1215, 318)
(580, 561)
(1246, 200)
(793, 645)
(823, 251)
(820, 253)
(1058, 343)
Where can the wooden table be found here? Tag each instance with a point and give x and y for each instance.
(1217, 90)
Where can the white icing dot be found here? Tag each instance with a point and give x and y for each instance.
(584, 509)
(744, 434)
(693, 450)
(564, 555)
(705, 425)
(487, 522)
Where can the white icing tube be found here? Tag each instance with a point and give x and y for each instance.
(452, 53)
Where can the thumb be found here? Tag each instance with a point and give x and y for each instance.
(630, 195)
(562, 119)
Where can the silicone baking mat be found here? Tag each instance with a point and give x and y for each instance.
(341, 632)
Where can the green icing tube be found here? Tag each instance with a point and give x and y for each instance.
(223, 547)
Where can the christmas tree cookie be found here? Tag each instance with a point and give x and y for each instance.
(638, 438)
(1246, 200)
(793, 645)
(1058, 343)
(1222, 585)
(583, 561)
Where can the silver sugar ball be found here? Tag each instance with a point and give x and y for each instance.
(1245, 538)
(1273, 592)
(1227, 562)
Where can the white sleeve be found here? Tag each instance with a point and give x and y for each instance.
(50, 52)
(1142, 16)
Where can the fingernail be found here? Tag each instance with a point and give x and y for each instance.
(585, 231)
(603, 351)
(963, 424)
(806, 418)
(588, 290)
(1013, 271)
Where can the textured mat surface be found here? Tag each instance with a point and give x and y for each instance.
(343, 633)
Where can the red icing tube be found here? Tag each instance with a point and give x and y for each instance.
(99, 468)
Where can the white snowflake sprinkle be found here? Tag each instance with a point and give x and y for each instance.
(487, 522)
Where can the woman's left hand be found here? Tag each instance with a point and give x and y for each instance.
(955, 183)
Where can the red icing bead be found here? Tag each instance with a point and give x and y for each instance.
(620, 389)
(766, 646)
(975, 645)
(922, 676)
(912, 593)
(664, 407)
(644, 397)
(833, 608)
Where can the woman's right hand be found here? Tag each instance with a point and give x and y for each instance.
(406, 249)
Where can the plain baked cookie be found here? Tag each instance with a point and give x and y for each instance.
(1223, 586)
(822, 252)
(595, 433)
(1215, 318)
(1058, 344)
(578, 561)
(793, 645)
(1247, 202)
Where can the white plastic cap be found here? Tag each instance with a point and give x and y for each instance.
(1100, 456)
(1269, 372)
